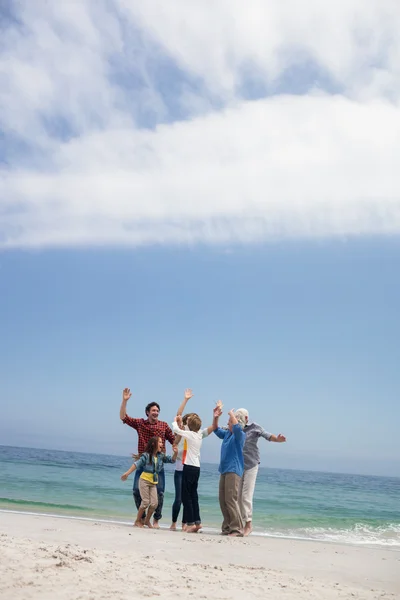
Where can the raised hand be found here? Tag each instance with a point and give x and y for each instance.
(188, 394)
(280, 438)
(231, 413)
(126, 394)
(217, 412)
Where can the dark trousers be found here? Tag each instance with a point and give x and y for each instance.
(190, 499)
(176, 507)
(160, 492)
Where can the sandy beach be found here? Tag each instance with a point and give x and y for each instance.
(47, 558)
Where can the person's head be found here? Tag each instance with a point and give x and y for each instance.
(242, 416)
(152, 446)
(187, 416)
(152, 411)
(194, 422)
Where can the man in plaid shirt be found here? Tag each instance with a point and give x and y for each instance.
(147, 428)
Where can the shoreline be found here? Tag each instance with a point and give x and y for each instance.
(207, 530)
(46, 557)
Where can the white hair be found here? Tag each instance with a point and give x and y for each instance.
(241, 415)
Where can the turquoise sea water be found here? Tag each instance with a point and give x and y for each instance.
(355, 509)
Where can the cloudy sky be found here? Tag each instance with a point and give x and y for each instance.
(207, 194)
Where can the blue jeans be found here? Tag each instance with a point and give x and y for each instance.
(160, 492)
(176, 507)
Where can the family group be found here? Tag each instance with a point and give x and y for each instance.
(238, 467)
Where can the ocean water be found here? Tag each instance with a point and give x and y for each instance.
(355, 509)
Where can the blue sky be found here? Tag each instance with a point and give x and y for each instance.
(203, 200)
(305, 335)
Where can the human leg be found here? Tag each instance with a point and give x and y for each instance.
(232, 486)
(184, 515)
(195, 497)
(194, 482)
(160, 494)
(222, 504)
(139, 522)
(187, 496)
(246, 497)
(135, 490)
(145, 493)
(178, 498)
(152, 506)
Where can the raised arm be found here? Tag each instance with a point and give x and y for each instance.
(182, 432)
(221, 433)
(237, 430)
(171, 459)
(126, 394)
(234, 420)
(217, 412)
(186, 397)
(175, 454)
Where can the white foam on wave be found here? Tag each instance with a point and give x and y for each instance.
(360, 534)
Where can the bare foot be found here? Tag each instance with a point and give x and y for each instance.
(184, 527)
(173, 527)
(148, 524)
(191, 529)
(198, 527)
(138, 524)
(155, 524)
(248, 529)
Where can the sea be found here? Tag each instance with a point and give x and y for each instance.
(330, 507)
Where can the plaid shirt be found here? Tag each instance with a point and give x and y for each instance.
(147, 430)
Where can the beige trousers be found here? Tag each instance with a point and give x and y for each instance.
(148, 494)
(229, 485)
(246, 493)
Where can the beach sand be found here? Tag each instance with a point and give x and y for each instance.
(52, 558)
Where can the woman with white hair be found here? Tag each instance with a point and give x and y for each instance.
(231, 470)
(251, 455)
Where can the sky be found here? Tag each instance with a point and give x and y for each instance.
(205, 198)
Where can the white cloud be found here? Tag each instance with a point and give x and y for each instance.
(351, 39)
(319, 164)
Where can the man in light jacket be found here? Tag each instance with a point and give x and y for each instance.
(251, 455)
